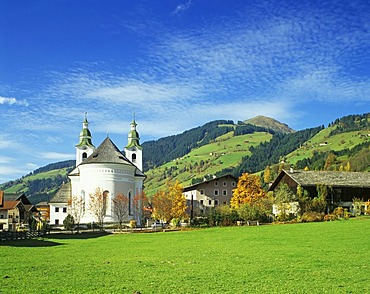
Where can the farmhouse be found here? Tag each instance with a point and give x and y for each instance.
(343, 186)
(105, 167)
(208, 194)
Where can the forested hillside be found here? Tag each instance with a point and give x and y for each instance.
(221, 147)
(166, 149)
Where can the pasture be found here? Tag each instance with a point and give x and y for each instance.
(328, 257)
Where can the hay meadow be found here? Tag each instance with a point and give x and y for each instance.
(327, 257)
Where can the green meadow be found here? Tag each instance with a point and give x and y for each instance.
(327, 257)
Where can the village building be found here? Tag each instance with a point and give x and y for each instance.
(107, 168)
(204, 196)
(343, 187)
(16, 210)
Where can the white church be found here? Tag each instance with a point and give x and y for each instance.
(107, 168)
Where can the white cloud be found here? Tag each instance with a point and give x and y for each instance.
(57, 156)
(12, 101)
(182, 7)
(5, 159)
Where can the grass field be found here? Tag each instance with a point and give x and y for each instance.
(330, 257)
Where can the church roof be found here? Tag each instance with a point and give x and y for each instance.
(63, 194)
(107, 152)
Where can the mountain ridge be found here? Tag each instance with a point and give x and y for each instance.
(222, 146)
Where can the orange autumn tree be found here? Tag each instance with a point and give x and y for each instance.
(248, 190)
(170, 203)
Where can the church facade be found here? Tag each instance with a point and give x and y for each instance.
(108, 169)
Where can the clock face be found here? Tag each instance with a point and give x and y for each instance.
(134, 149)
(84, 148)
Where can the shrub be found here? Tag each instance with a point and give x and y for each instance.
(339, 212)
(312, 216)
(223, 216)
(330, 217)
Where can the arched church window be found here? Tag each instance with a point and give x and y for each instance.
(133, 157)
(83, 195)
(84, 156)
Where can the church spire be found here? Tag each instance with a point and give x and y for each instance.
(133, 135)
(85, 146)
(133, 150)
(85, 134)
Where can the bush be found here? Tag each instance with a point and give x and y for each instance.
(339, 212)
(312, 216)
(223, 216)
(330, 217)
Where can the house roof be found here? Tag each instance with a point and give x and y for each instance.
(1, 198)
(193, 187)
(17, 196)
(63, 194)
(328, 178)
(10, 204)
(30, 207)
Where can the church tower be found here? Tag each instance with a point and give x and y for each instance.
(133, 150)
(85, 147)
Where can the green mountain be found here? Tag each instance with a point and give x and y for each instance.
(221, 147)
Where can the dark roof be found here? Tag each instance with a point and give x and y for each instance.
(328, 178)
(17, 196)
(192, 187)
(107, 152)
(63, 194)
(30, 207)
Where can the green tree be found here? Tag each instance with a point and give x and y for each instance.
(283, 199)
(69, 222)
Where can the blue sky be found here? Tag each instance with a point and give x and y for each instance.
(176, 63)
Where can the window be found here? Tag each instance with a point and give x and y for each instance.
(64, 209)
(84, 156)
(216, 183)
(1, 216)
(56, 209)
(232, 184)
(224, 192)
(224, 183)
(216, 202)
(216, 192)
(209, 202)
(201, 202)
(57, 221)
(133, 157)
(10, 216)
(201, 191)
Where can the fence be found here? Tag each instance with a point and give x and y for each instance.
(8, 236)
